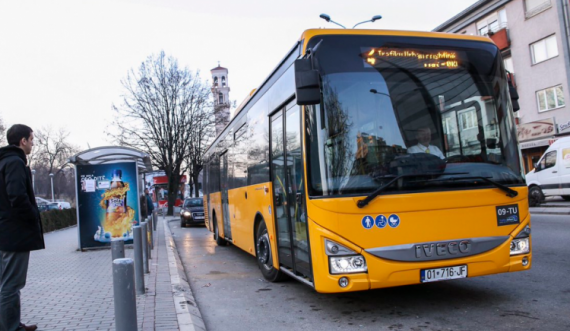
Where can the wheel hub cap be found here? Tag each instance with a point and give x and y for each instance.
(263, 250)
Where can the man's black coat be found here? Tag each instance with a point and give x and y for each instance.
(20, 224)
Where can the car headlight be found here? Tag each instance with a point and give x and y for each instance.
(343, 260)
(521, 243)
(187, 214)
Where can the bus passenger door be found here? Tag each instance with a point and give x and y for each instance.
(288, 191)
(224, 180)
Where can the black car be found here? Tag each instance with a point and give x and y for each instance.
(192, 212)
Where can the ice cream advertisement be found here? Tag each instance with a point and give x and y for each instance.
(108, 204)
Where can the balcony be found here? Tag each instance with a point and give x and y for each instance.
(500, 38)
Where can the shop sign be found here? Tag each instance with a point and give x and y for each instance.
(535, 143)
(563, 126)
(535, 130)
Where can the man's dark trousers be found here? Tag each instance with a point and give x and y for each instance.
(13, 271)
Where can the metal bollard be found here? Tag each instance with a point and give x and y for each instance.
(150, 222)
(148, 238)
(139, 269)
(145, 247)
(117, 249)
(124, 293)
(154, 218)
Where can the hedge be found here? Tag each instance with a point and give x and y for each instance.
(58, 219)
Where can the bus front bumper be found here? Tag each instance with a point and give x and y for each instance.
(384, 273)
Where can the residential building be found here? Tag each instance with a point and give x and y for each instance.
(533, 36)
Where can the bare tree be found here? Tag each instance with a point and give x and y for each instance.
(163, 107)
(3, 140)
(50, 154)
(52, 148)
(202, 134)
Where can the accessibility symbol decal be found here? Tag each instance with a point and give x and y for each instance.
(381, 221)
(394, 220)
(367, 222)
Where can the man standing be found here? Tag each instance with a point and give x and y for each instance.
(149, 203)
(20, 224)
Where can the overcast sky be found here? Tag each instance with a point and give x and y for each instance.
(61, 61)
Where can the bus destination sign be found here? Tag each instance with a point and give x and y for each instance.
(412, 58)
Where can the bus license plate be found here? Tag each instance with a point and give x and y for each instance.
(434, 275)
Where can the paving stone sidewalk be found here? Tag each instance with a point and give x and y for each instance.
(72, 290)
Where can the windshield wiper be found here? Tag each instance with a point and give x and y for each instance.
(510, 192)
(362, 203)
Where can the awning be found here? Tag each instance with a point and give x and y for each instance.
(113, 154)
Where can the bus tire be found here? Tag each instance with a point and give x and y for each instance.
(264, 255)
(535, 196)
(219, 240)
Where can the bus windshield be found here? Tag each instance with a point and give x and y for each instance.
(402, 106)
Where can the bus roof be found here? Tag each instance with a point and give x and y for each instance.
(310, 33)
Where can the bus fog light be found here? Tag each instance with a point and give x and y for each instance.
(525, 261)
(343, 282)
(520, 246)
(347, 264)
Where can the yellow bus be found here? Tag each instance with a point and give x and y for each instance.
(371, 159)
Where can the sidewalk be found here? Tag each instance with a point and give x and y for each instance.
(553, 206)
(71, 290)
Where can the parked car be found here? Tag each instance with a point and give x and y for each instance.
(42, 201)
(43, 207)
(192, 212)
(51, 206)
(551, 175)
(62, 204)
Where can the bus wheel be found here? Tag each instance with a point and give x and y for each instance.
(535, 196)
(265, 256)
(220, 241)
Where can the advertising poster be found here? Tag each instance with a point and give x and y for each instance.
(566, 157)
(107, 199)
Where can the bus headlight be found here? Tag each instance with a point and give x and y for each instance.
(347, 264)
(521, 243)
(343, 260)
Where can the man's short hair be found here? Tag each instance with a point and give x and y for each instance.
(16, 132)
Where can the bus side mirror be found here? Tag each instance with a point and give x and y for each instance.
(513, 92)
(307, 83)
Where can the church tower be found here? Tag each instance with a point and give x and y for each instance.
(221, 93)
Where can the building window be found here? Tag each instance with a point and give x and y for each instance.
(223, 81)
(492, 23)
(544, 49)
(468, 120)
(550, 98)
(215, 81)
(220, 98)
(533, 7)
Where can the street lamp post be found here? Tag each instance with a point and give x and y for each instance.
(328, 19)
(34, 180)
(51, 177)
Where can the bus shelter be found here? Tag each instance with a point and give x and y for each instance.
(107, 184)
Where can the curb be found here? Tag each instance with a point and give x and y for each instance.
(187, 312)
(549, 210)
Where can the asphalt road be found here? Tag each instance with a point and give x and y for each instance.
(232, 294)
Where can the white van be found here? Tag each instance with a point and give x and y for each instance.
(551, 175)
